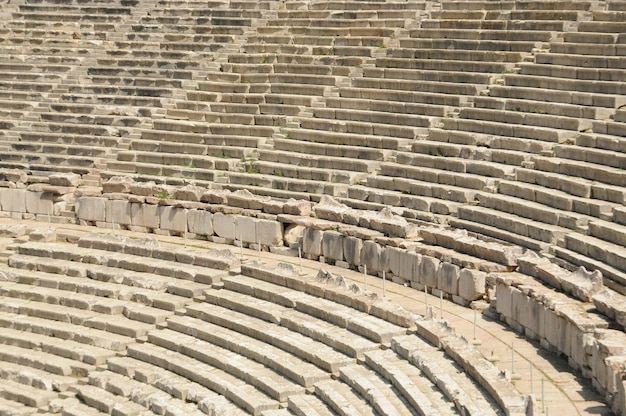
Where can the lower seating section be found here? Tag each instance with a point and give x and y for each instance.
(92, 327)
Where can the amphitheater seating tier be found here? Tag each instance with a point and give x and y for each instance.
(503, 118)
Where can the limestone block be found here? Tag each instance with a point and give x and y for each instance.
(200, 222)
(293, 235)
(448, 278)
(245, 229)
(224, 225)
(393, 225)
(144, 215)
(371, 256)
(269, 232)
(215, 196)
(245, 199)
(619, 401)
(13, 175)
(91, 209)
(536, 327)
(472, 284)
(504, 294)
(12, 230)
(117, 184)
(312, 242)
(64, 179)
(189, 193)
(428, 271)
(173, 218)
(612, 305)
(616, 370)
(352, 247)
(392, 256)
(329, 209)
(297, 207)
(332, 245)
(118, 212)
(38, 203)
(409, 265)
(520, 309)
(13, 200)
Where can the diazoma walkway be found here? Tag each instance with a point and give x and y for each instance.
(471, 152)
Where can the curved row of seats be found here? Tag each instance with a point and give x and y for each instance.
(91, 327)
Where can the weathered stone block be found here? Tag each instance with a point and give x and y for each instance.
(409, 266)
(173, 219)
(224, 225)
(503, 299)
(371, 256)
(429, 267)
(200, 222)
(64, 179)
(472, 284)
(269, 233)
(144, 215)
(352, 247)
(293, 235)
(118, 212)
(117, 184)
(332, 245)
(448, 278)
(392, 256)
(91, 209)
(38, 203)
(189, 193)
(245, 229)
(312, 242)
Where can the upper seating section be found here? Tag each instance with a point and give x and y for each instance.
(502, 117)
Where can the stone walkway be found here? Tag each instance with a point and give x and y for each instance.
(564, 392)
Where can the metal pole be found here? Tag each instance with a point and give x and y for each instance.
(300, 258)
(512, 358)
(474, 324)
(441, 303)
(543, 401)
(384, 279)
(365, 275)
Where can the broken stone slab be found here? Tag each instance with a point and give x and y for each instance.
(189, 193)
(215, 196)
(387, 222)
(298, 207)
(245, 199)
(293, 235)
(13, 175)
(117, 184)
(581, 284)
(64, 179)
(43, 235)
(330, 209)
(611, 304)
(12, 230)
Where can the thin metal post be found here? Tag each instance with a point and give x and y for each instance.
(543, 396)
(365, 275)
(384, 280)
(512, 358)
(441, 303)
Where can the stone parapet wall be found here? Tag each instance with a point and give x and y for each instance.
(568, 327)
